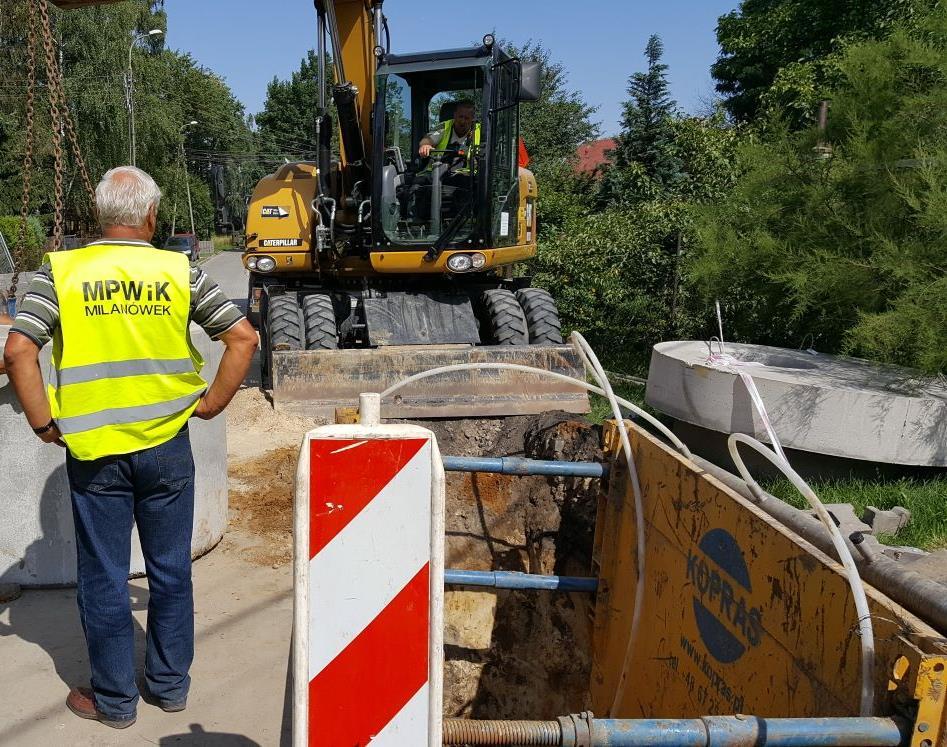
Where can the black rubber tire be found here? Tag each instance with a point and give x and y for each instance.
(505, 323)
(284, 323)
(322, 333)
(542, 316)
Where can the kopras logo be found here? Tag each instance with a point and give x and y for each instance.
(727, 622)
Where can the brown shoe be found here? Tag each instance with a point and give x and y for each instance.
(81, 702)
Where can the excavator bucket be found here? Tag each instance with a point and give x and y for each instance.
(318, 382)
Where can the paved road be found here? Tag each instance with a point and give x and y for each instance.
(228, 271)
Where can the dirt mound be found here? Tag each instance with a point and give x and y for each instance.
(261, 504)
(254, 427)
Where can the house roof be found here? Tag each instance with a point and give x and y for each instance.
(592, 155)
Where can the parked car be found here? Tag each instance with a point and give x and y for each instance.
(186, 243)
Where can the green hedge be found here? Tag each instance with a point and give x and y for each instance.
(35, 246)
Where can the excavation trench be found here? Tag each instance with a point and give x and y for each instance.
(508, 654)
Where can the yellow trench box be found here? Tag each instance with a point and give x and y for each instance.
(740, 615)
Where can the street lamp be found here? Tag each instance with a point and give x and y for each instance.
(130, 95)
(187, 181)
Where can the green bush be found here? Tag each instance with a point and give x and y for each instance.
(35, 246)
(612, 275)
(836, 241)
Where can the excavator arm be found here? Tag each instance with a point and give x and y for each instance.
(355, 28)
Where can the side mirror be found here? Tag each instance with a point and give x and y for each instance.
(530, 81)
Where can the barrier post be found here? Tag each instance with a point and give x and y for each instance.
(369, 587)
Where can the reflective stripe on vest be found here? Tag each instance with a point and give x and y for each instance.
(125, 372)
(449, 131)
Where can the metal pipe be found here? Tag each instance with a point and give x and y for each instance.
(377, 21)
(921, 596)
(336, 44)
(710, 731)
(321, 54)
(515, 580)
(436, 197)
(520, 466)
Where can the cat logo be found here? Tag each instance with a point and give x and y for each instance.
(281, 242)
(274, 211)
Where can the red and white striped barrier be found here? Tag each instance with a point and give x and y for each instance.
(369, 587)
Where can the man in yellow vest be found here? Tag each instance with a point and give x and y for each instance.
(454, 142)
(124, 383)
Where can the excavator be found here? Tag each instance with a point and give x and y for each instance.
(381, 259)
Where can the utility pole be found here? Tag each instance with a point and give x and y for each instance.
(187, 181)
(130, 96)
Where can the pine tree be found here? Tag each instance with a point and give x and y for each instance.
(645, 162)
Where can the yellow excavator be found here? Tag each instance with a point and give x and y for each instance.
(374, 262)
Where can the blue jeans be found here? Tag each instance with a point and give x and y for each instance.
(155, 489)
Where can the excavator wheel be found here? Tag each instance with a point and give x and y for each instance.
(505, 323)
(319, 316)
(284, 323)
(542, 316)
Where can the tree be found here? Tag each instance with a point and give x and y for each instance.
(561, 120)
(645, 163)
(777, 53)
(171, 89)
(843, 249)
(287, 124)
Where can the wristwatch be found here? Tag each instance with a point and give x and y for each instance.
(45, 429)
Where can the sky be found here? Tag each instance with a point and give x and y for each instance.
(600, 42)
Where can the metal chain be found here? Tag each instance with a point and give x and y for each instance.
(54, 73)
(28, 151)
(56, 107)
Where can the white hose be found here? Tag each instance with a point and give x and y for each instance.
(779, 460)
(865, 627)
(630, 406)
(598, 372)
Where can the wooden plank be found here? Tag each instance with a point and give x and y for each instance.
(740, 615)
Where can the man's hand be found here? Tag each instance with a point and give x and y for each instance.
(204, 411)
(241, 342)
(425, 150)
(52, 436)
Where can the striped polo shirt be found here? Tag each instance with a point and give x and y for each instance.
(38, 313)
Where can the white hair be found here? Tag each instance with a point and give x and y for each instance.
(124, 197)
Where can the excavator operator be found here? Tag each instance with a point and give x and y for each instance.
(451, 142)
(455, 133)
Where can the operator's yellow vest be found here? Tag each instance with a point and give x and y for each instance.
(449, 131)
(125, 371)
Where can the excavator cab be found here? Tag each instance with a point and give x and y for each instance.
(466, 193)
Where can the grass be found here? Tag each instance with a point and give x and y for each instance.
(602, 411)
(925, 499)
(222, 243)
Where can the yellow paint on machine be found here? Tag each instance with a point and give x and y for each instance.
(414, 262)
(740, 615)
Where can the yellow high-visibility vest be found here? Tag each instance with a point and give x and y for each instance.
(126, 375)
(448, 128)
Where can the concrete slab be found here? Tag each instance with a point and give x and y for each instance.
(239, 696)
(843, 407)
